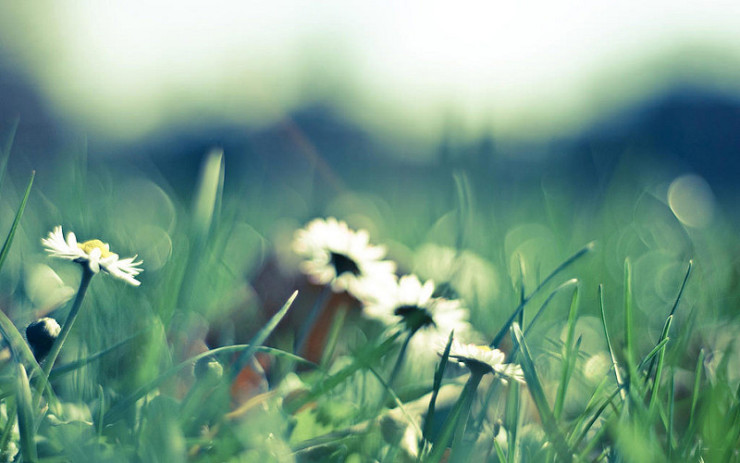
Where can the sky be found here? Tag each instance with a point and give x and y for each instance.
(528, 69)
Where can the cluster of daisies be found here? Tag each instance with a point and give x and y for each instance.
(343, 259)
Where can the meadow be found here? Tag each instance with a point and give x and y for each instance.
(446, 313)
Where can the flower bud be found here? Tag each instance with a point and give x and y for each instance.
(41, 335)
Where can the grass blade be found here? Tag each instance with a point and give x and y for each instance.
(568, 357)
(9, 239)
(659, 368)
(538, 396)
(327, 384)
(262, 336)
(438, 375)
(119, 408)
(505, 329)
(629, 348)
(72, 366)
(512, 418)
(26, 429)
(19, 347)
(610, 346)
(5, 152)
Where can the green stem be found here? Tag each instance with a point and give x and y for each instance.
(87, 275)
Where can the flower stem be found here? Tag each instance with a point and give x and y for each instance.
(87, 275)
(396, 369)
(400, 359)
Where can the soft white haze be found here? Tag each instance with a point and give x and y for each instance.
(520, 68)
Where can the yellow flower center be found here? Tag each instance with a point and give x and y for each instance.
(484, 348)
(88, 246)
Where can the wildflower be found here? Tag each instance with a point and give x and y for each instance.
(337, 255)
(483, 359)
(410, 302)
(41, 335)
(94, 253)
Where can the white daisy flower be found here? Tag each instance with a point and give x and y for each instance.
(94, 253)
(485, 360)
(337, 255)
(408, 301)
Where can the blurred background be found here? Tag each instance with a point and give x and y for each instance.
(565, 122)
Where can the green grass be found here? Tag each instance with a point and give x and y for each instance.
(623, 342)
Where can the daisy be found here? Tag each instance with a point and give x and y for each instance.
(408, 301)
(337, 255)
(483, 359)
(94, 253)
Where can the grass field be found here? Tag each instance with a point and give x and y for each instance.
(533, 321)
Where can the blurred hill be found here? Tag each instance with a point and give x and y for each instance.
(686, 128)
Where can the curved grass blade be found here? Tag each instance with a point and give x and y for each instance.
(505, 329)
(26, 429)
(72, 366)
(537, 392)
(261, 336)
(118, 409)
(20, 349)
(327, 384)
(396, 399)
(11, 234)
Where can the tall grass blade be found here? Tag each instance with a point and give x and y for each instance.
(511, 418)
(610, 346)
(464, 207)
(507, 325)
(5, 152)
(208, 192)
(26, 428)
(19, 213)
(438, 375)
(568, 356)
(537, 392)
(661, 360)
